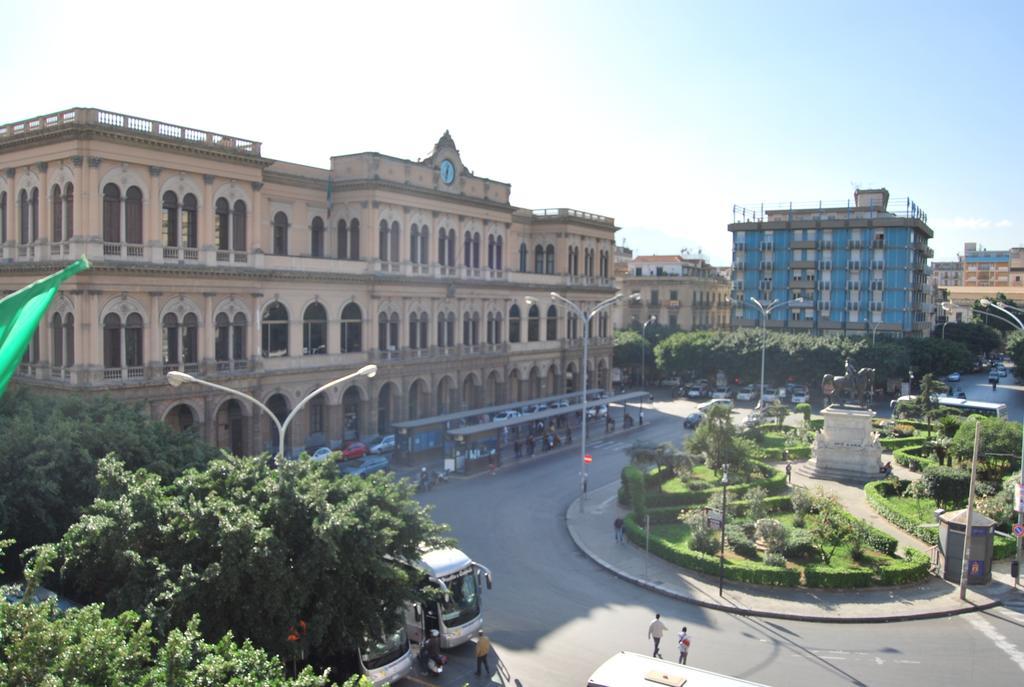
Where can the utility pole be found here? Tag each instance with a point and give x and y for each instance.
(970, 512)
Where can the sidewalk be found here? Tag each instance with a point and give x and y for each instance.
(593, 533)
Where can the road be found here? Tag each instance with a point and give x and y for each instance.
(554, 615)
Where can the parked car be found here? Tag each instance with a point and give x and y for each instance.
(703, 407)
(560, 403)
(535, 408)
(506, 414)
(692, 420)
(746, 393)
(322, 453)
(699, 389)
(953, 377)
(722, 392)
(365, 466)
(771, 394)
(386, 444)
(800, 394)
(354, 449)
(670, 381)
(600, 410)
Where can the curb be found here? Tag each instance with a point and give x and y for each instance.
(776, 615)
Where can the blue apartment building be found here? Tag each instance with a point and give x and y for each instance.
(860, 269)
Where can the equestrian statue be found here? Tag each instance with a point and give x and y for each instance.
(855, 385)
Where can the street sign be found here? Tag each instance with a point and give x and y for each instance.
(1018, 530)
(714, 518)
(587, 458)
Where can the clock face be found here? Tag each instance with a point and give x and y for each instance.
(447, 171)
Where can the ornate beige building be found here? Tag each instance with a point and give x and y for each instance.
(273, 278)
(683, 293)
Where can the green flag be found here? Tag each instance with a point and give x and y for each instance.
(20, 314)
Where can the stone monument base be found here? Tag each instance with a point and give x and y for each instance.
(846, 449)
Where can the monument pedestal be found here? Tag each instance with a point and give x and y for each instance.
(846, 449)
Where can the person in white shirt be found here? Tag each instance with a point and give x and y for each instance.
(684, 645)
(654, 631)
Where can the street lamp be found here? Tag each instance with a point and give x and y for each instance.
(586, 317)
(947, 307)
(766, 309)
(176, 379)
(1002, 307)
(721, 555)
(874, 330)
(643, 352)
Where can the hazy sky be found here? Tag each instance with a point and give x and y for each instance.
(662, 115)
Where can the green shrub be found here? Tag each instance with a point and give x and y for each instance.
(756, 506)
(773, 504)
(773, 533)
(802, 500)
(800, 545)
(740, 542)
(703, 539)
(803, 409)
(774, 559)
(912, 568)
(903, 430)
(893, 443)
(945, 484)
(913, 457)
(826, 577)
(635, 489)
(817, 423)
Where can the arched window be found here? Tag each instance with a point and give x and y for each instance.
(490, 328)
(476, 249)
(549, 260)
(133, 216)
(3, 216)
(414, 328)
(514, 324)
(490, 251)
(424, 244)
(442, 246)
(317, 412)
(387, 332)
(280, 234)
(414, 243)
(467, 337)
(222, 224)
(467, 249)
(69, 340)
(442, 340)
(523, 254)
(498, 251)
(133, 342)
(28, 215)
(385, 238)
(604, 263)
(568, 265)
(238, 219)
(450, 329)
(34, 214)
(533, 324)
(69, 210)
(171, 351)
(222, 340)
(190, 339)
(56, 215)
(348, 240)
(112, 342)
(239, 330)
(497, 328)
(475, 328)
(189, 221)
(538, 259)
(395, 238)
(572, 326)
(351, 329)
(342, 240)
(552, 320)
(316, 238)
(169, 222)
(56, 342)
(314, 330)
(111, 214)
(451, 248)
(274, 331)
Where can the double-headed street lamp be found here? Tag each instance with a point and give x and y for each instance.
(1003, 307)
(176, 379)
(586, 316)
(947, 307)
(721, 555)
(766, 309)
(643, 351)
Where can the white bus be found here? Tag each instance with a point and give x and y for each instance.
(387, 659)
(457, 616)
(961, 405)
(627, 669)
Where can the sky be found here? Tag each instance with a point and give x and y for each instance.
(663, 115)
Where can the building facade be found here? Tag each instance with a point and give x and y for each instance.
(861, 269)
(984, 267)
(274, 278)
(683, 293)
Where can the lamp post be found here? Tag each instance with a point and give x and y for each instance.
(721, 555)
(176, 379)
(947, 307)
(874, 330)
(585, 317)
(643, 352)
(766, 309)
(1003, 307)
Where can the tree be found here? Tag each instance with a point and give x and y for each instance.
(50, 450)
(717, 441)
(979, 338)
(664, 455)
(777, 411)
(254, 549)
(628, 351)
(999, 437)
(773, 533)
(1015, 349)
(831, 527)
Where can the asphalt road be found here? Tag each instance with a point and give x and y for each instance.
(554, 615)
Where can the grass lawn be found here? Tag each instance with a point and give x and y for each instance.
(704, 474)
(921, 511)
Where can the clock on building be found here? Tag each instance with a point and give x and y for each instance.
(447, 171)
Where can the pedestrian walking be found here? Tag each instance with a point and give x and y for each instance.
(789, 472)
(641, 418)
(568, 433)
(684, 645)
(518, 446)
(483, 648)
(619, 525)
(655, 631)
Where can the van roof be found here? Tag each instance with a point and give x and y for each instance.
(628, 669)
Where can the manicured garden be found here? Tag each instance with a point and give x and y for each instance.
(773, 536)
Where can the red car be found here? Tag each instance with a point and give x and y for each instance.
(354, 449)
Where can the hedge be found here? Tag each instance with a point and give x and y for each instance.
(670, 514)
(741, 571)
(913, 568)
(776, 484)
(908, 458)
(892, 443)
(820, 575)
(633, 481)
(799, 452)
